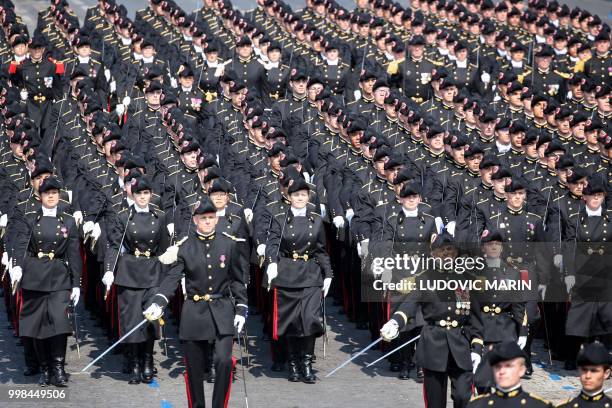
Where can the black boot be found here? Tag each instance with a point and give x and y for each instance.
(404, 373)
(420, 375)
(294, 369)
(125, 365)
(135, 374)
(147, 363)
(45, 375)
(58, 358)
(308, 376)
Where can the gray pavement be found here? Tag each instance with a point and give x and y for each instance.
(355, 386)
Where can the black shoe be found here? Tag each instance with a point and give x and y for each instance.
(278, 366)
(395, 367)
(528, 371)
(147, 369)
(45, 376)
(59, 375)
(294, 371)
(404, 373)
(211, 376)
(30, 371)
(420, 375)
(570, 365)
(308, 376)
(135, 372)
(362, 326)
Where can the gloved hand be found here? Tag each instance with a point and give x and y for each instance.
(522, 341)
(126, 101)
(113, 87)
(239, 323)
(153, 312)
(364, 248)
(108, 279)
(23, 95)
(558, 260)
(272, 272)
(450, 227)
(570, 281)
(323, 210)
(173, 82)
(349, 215)
(15, 273)
(475, 361)
(248, 215)
(357, 94)
(439, 224)
(183, 287)
(170, 228)
(261, 250)
(107, 74)
(75, 295)
(338, 221)
(120, 109)
(326, 285)
(3, 221)
(307, 177)
(96, 232)
(169, 257)
(485, 77)
(390, 330)
(542, 290)
(78, 217)
(5, 259)
(88, 227)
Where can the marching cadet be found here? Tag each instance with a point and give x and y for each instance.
(508, 363)
(190, 97)
(136, 236)
(215, 304)
(451, 341)
(246, 66)
(545, 78)
(210, 71)
(47, 266)
(299, 271)
(333, 70)
(275, 76)
(413, 74)
(594, 363)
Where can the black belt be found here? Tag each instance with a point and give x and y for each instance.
(206, 298)
(295, 256)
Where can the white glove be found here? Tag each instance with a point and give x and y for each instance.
(120, 109)
(542, 290)
(307, 177)
(338, 221)
(5, 259)
(153, 312)
(326, 285)
(108, 279)
(126, 101)
(173, 82)
(170, 228)
(349, 215)
(239, 322)
(323, 210)
(363, 248)
(475, 361)
(261, 249)
(439, 224)
(113, 86)
(88, 227)
(96, 232)
(450, 227)
(390, 330)
(357, 94)
(78, 217)
(522, 341)
(3, 221)
(248, 215)
(272, 272)
(75, 295)
(23, 95)
(557, 260)
(15, 273)
(570, 281)
(169, 257)
(485, 77)
(183, 287)
(107, 74)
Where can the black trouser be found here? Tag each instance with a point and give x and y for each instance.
(436, 382)
(29, 352)
(298, 347)
(196, 352)
(51, 350)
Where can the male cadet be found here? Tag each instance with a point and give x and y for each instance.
(594, 364)
(508, 363)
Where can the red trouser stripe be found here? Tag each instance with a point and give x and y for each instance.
(187, 389)
(229, 388)
(275, 316)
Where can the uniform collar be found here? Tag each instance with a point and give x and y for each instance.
(511, 393)
(515, 212)
(141, 210)
(593, 213)
(203, 237)
(49, 212)
(410, 213)
(593, 397)
(298, 212)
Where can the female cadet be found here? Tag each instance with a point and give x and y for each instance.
(48, 265)
(136, 236)
(299, 267)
